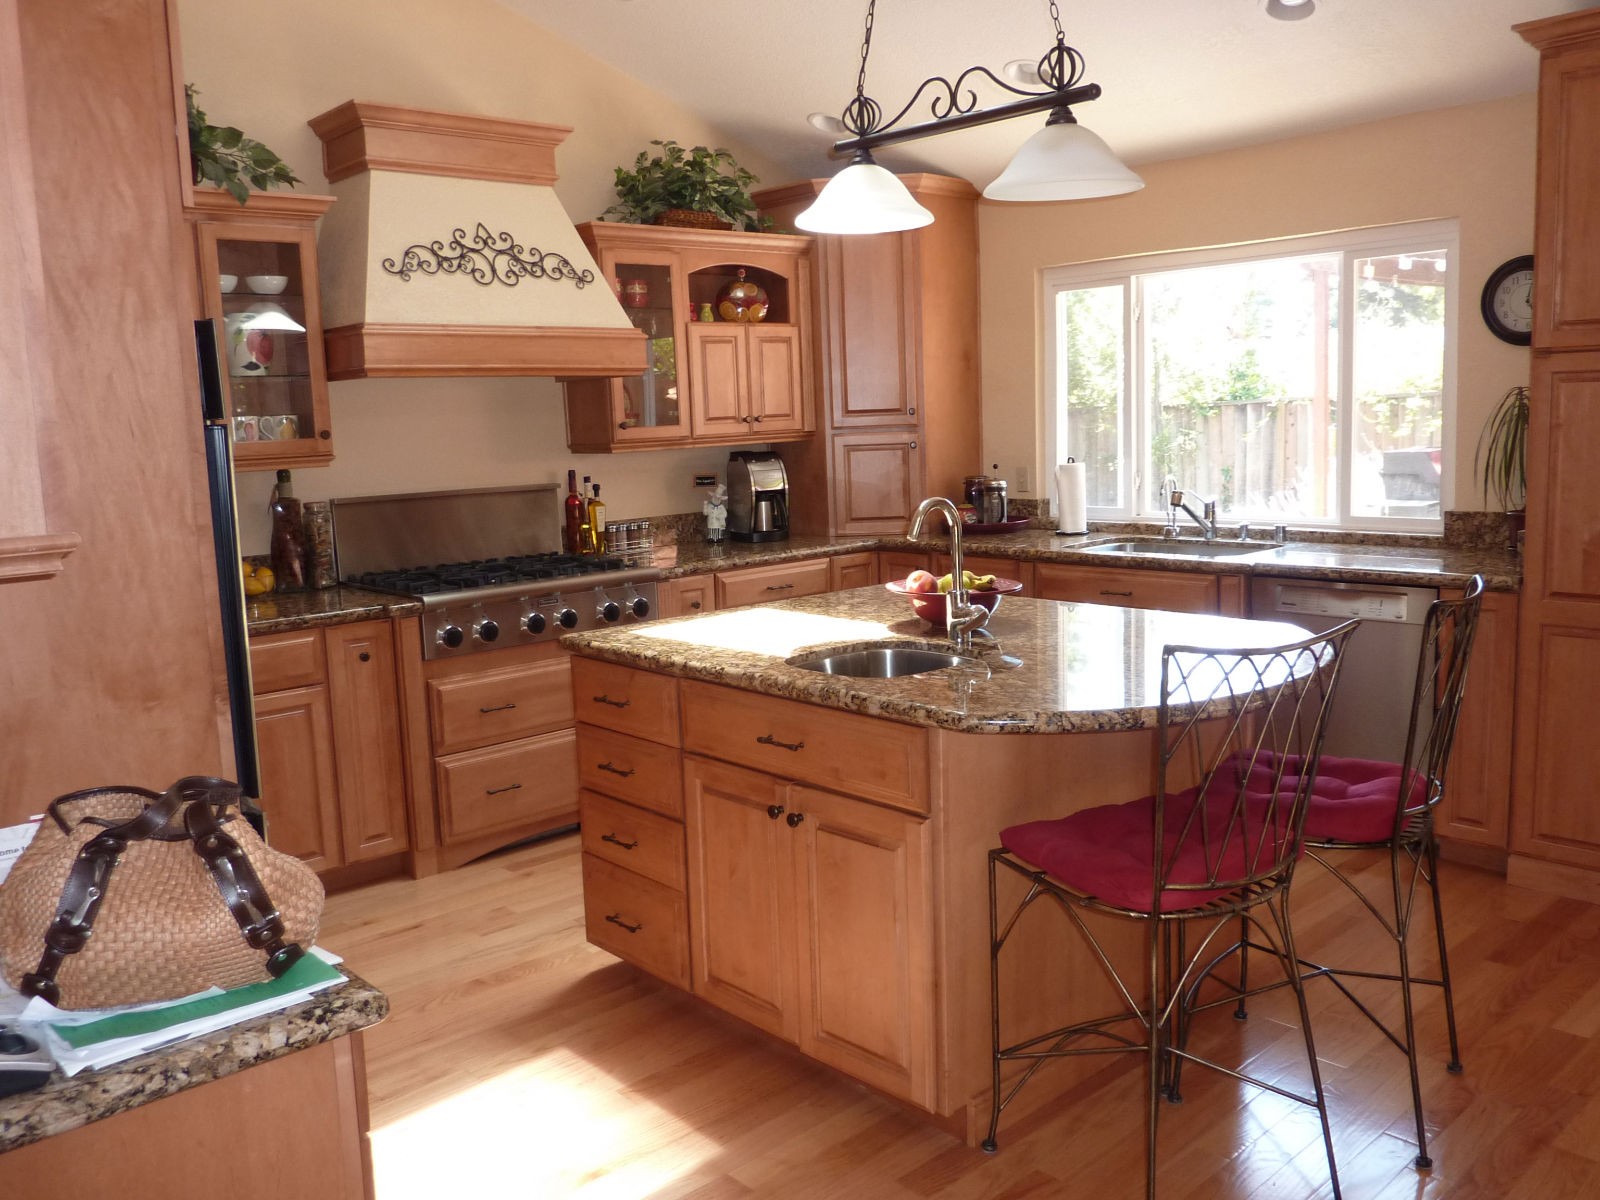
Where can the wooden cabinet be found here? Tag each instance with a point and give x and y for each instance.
(1477, 801)
(897, 564)
(328, 732)
(719, 382)
(1127, 587)
(810, 919)
(982, 564)
(847, 571)
(1555, 827)
(897, 316)
(258, 281)
(780, 581)
(686, 596)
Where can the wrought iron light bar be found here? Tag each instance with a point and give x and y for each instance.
(1033, 102)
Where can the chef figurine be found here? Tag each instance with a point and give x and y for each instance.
(716, 510)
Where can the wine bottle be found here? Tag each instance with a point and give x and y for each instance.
(597, 521)
(288, 545)
(572, 530)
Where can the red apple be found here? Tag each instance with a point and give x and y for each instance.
(922, 581)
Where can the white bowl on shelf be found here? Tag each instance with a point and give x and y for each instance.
(266, 285)
(226, 283)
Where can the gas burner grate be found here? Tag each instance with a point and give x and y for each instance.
(487, 572)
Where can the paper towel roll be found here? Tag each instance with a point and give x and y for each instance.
(1071, 503)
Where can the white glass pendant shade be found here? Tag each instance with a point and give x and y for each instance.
(1063, 161)
(863, 198)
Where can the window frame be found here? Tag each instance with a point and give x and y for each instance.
(1133, 440)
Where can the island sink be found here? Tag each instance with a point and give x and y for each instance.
(881, 662)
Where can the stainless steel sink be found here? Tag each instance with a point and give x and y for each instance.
(1180, 547)
(883, 662)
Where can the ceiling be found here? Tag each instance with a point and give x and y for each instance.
(1180, 77)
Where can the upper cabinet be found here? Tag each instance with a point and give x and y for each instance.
(258, 280)
(716, 381)
(897, 328)
(1566, 311)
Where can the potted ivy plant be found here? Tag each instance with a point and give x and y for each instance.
(695, 187)
(1502, 458)
(224, 157)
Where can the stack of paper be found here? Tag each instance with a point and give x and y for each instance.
(88, 1038)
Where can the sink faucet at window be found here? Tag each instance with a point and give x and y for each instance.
(1206, 518)
(961, 616)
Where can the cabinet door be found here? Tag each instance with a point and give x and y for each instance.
(364, 693)
(1124, 587)
(741, 907)
(299, 790)
(781, 581)
(1566, 309)
(775, 404)
(685, 597)
(718, 370)
(877, 481)
(979, 564)
(872, 351)
(1477, 799)
(866, 979)
(852, 571)
(895, 564)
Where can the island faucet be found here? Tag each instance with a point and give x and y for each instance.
(1206, 518)
(961, 616)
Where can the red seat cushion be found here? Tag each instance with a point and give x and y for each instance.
(1352, 799)
(1106, 852)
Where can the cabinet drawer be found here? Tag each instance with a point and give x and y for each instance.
(286, 660)
(632, 769)
(639, 841)
(1178, 591)
(626, 700)
(524, 781)
(636, 919)
(784, 581)
(499, 706)
(862, 756)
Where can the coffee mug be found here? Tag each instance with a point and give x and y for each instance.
(280, 428)
(635, 293)
(247, 429)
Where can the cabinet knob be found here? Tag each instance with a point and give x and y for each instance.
(913, 445)
(912, 411)
(774, 811)
(365, 656)
(794, 819)
(756, 418)
(694, 604)
(325, 434)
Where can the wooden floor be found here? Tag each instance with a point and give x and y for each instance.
(521, 1062)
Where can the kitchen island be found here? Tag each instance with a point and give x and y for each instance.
(807, 851)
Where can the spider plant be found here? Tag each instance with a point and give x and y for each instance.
(1502, 458)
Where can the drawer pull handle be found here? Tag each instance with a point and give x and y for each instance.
(766, 739)
(605, 766)
(1104, 592)
(779, 587)
(497, 708)
(616, 919)
(510, 787)
(616, 841)
(794, 819)
(774, 811)
(611, 702)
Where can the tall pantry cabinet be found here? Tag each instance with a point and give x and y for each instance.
(898, 347)
(1555, 835)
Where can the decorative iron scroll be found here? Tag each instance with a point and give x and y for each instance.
(486, 258)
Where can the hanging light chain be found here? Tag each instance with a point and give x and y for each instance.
(1062, 66)
(863, 114)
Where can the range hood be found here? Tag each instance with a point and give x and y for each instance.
(448, 252)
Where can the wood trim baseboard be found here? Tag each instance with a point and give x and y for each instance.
(360, 136)
(1557, 879)
(1473, 854)
(372, 351)
(39, 556)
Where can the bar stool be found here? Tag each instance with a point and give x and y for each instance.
(1367, 804)
(1216, 842)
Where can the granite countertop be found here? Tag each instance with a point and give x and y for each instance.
(1049, 667)
(65, 1104)
(284, 612)
(695, 556)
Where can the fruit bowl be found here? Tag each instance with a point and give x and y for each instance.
(930, 605)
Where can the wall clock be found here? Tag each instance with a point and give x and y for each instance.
(1508, 301)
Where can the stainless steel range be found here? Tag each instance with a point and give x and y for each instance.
(492, 575)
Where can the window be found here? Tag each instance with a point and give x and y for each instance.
(1305, 381)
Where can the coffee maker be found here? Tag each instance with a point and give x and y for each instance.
(758, 497)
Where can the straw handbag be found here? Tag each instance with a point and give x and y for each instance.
(127, 896)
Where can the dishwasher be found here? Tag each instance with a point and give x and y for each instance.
(1372, 708)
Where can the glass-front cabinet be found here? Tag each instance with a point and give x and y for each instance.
(728, 357)
(258, 280)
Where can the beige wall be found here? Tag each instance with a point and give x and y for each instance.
(1474, 163)
(269, 69)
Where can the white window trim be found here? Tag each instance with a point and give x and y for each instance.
(1349, 244)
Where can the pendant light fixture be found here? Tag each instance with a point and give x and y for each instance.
(1063, 161)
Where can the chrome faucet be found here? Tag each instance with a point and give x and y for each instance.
(1206, 518)
(961, 616)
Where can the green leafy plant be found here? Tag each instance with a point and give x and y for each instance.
(1502, 458)
(222, 156)
(697, 179)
